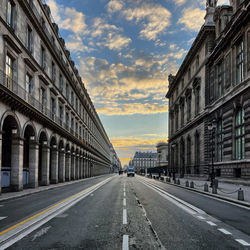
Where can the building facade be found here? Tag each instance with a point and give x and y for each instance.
(162, 155)
(49, 129)
(143, 160)
(211, 88)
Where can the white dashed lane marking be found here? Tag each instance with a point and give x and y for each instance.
(242, 242)
(124, 202)
(224, 231)
(211, 223)
(124, 220)
(200, 217)
(125, 242)
(1, 218)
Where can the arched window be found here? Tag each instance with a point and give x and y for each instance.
(219, 137)
(240, 135)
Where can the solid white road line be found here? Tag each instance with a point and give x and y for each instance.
(124, 202)
(224, 231)
(124, 194)
(124, 218)
(1, 218)
(211, 223)
(125, 242)
(200, 217)
(242, 242)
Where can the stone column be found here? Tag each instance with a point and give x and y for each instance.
(84, 166)
(33, 163)
(76, 166)
(16, 178)
(68, 166)
(73, 166)
(61, 166)
(54, 165)
(45, 164)
(80, 168)
(0, 162)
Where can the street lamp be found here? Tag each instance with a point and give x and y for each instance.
(173, 167)
(211, 127)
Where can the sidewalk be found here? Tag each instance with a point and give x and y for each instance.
(225, 190)
(29, 191)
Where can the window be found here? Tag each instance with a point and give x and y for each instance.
(248, 50)
(76, 104)
(177, 92)
(188, 108)
(189, 74)
(182, 83)
(211, 82)
(189, 151)
(239, 62)
(9, 68)
(72, 124)
(67, 120)
(219, 138)
(228, 70)
(182, 114)
(61, 83)
(43, 99)
(53, 108)
(220, 72)
(29, 42)
(61, 114)
(28, 86)
(11, 14)
(43, 58)
(53, 72)
(176, 118)
(197, 100)
(240, 135)
(197, 63)
(72, 98)
(67, 91)
(197, 153)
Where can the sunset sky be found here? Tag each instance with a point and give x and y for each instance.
(125, 50)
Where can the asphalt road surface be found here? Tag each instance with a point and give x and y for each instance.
(119, 212)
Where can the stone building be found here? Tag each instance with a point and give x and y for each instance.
(143, 160)
(49, 129)
(162, 154)
(212, 87)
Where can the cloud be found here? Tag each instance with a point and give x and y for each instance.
(127, 142)
(153, 17)
(114, 6)
(192, 19)
(180, 2)
(75, 44)
(68, 18)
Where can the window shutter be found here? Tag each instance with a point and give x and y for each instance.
(233, 61)
(15, 18)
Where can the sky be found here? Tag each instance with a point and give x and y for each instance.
(125, 50)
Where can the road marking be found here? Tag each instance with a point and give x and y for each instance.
(124, 219)
(41, 233)
(16, 232)
(1, 218)
(200, 217)
(124, 190)
(242, 242)
(211, 223)
(224, 231)
(178, 202)
(124, 202)
(124, 194)
(125, 242)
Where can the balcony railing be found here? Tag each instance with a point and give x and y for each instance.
(19, 91)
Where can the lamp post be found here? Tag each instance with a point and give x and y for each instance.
(173, 167)
(211, 127)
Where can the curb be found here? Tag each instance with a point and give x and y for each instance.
(19, 194)
(242, 203)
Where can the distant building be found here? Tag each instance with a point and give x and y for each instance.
(143, 160)
(162, 154)
(209, 100)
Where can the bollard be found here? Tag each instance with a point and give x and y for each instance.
(178, 182)
(169, 180)
(192, 184)
(214, 189)
(174, 181)
(240, 195)
(206, 187)
(187, 184)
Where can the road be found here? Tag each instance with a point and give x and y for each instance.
(117, 212)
